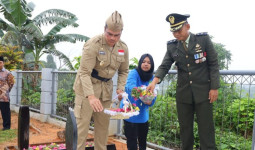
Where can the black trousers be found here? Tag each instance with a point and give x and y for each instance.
(6, 114)
(134, 132)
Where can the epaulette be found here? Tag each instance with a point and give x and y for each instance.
(171, 41)
(122, 42)
(201, 34)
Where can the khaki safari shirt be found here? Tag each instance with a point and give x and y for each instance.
(106, 60)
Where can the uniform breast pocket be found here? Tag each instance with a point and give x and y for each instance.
(119, 60)
(102, 61)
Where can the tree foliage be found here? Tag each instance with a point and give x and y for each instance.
(50, 63)
(26, 33)
(224, 56)
(12, 57)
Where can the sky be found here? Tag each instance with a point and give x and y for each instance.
(230, 22)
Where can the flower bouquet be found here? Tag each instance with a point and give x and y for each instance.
(126, 112)
(142, 94)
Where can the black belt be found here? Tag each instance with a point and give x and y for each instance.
(94, 74)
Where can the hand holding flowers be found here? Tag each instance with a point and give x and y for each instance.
(142, 94)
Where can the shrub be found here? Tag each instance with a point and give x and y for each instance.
(227, 140)
(242, 111)
(65, 96)
(164, 131)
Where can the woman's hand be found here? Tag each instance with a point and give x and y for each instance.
(148, 102)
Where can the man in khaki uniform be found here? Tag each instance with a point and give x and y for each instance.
(102, 57)
(198, 81)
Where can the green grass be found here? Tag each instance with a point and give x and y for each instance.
(7, 135)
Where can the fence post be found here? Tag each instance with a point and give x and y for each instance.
(54, 91)
(15, 94)
(253, 134)
(46, 94)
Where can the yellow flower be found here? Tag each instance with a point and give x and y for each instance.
(137, 109)
(144, 92)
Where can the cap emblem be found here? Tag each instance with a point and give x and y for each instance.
(171, 19)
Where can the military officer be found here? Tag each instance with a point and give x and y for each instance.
(198, 80)
(102, 57)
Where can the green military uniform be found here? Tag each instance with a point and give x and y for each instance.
(106, 61)
(198, 73)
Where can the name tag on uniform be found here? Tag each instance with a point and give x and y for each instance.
(121, 51)
(101, 52)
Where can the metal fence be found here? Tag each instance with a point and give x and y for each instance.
(233, 111)
(31, 91)
(65, 94)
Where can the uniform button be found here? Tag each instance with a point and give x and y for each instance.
(188, 65)
(189, 73)
(190, 82)
(187, 56)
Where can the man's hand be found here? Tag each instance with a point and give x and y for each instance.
(119, 94)
(152, 85)
(95, 103)
(213, 95)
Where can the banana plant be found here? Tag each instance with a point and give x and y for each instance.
(24, 31)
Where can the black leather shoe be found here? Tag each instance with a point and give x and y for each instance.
(5, 129)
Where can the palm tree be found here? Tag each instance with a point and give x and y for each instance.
(26, 33)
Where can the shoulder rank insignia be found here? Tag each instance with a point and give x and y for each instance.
(171, 41)
(201, 34)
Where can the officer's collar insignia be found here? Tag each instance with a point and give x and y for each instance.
(171, 19)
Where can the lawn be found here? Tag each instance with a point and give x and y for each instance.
(7, 135)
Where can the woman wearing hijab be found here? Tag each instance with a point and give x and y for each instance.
(136, 127)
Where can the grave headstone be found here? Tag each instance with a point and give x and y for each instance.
(71, 131)
(23, 127)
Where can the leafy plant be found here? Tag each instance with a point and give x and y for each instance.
(78, 61)
(29, 97)
(227, 140)
(65, 96)
(134, 63)
(65, 99)
(243, 118)
(164, 131)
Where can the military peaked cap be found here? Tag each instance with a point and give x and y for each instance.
(176, 21)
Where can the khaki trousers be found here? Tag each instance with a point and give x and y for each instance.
(83, 113)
